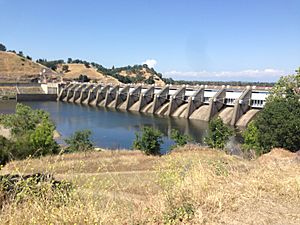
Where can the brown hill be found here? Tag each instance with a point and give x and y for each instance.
(15, 68)
(145, 73)
(75, 70)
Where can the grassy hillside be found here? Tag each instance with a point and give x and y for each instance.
(145, 73)
(75, 70)
(15, 68)
(192, 185)
(95, 71)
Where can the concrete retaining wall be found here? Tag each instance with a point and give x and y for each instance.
(36, 97)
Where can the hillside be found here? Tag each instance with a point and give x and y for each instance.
(95, 71)
(75, 70)
(192, 185)
(145, 73)
(15, 68)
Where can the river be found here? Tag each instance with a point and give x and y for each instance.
(111, 128)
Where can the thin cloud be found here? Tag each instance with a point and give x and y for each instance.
(150, 62)
(268, 74)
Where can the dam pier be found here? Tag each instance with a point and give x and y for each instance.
(236, 106)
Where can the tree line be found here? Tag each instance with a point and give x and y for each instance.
(218, 83)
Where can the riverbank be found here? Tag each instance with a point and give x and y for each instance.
(192, 185)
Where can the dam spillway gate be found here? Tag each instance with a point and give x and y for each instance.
(235, 106)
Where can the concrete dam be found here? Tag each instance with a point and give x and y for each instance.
(235, 106)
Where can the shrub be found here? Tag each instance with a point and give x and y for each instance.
(218, 134)
(180, 214)
(24, 120)
(36, 187)
(4, 150)
(148, 141)
(42, 138)
(32, 132)
(65, 68)
(83, 78)
(150, 80)
(179, 139)
(250, 136)
(79, 141)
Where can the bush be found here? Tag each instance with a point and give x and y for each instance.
(65, 68)
(79, 141)
(42, 138)
(179, 139)
(24, 120)
(148, 141)
(150, 80)
(32, 132)
(4, 150)
(83, 78)
(218, 134)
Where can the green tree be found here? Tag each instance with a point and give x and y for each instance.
(83, 78)
(218, 134)
(24, 120)
(69, 60)
(65, 68)
(179, 139)
(150, 80)
(21, 54)
(79, 141)
(148, 141)
(251, 138)
(2, 47)
(287, 86)
(42, 140)
(32, 132)
(278, 124)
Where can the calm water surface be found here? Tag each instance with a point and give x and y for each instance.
(111, 128)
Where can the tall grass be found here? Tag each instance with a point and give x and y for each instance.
(189, 186)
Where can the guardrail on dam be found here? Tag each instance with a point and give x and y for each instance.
(235, 106)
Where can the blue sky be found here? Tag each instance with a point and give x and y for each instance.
(255, 40)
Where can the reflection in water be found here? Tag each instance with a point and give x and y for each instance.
(112, 128)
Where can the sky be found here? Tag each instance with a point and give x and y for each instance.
(240, 40)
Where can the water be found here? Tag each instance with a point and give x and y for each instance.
(111, 128)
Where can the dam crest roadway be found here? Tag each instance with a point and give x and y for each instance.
(235, 106)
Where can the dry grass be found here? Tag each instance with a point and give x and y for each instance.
(16, 68)
(76, 69)
(158, 81)
(190, 186)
